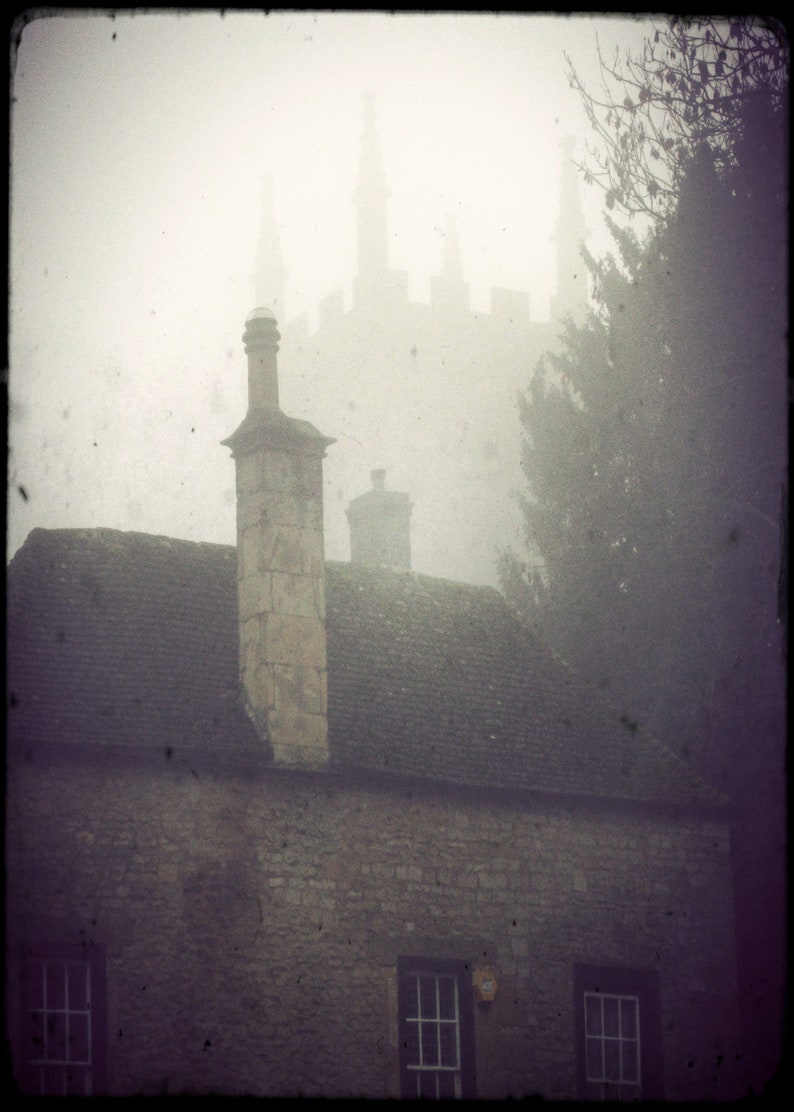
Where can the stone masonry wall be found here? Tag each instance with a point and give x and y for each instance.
(252, 923)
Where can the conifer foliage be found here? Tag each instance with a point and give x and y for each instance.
(655, 456)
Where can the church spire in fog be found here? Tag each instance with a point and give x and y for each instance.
(371, 199)
(572, 295)
(450, 289)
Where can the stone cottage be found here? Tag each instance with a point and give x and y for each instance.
(284, 827)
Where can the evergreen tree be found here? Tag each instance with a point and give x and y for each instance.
(654, 451)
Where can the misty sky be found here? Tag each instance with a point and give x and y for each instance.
(138, 148)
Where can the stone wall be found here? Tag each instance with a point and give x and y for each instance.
(252, 922)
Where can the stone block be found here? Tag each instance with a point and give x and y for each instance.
(292, 639)
(255, 596)
(291, 549)
(290, 473)
(252, 631)
(299, 740)
(249, 473)
(259, 683)
(305, 512)
(300, 689)
(251, 510)
(252, 542)
(298, 594)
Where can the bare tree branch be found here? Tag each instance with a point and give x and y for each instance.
(687, 88)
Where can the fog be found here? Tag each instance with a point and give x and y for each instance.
(139, 147)
(162, 162)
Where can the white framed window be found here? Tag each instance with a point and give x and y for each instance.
(612, 1044)
(618, 1033)
(63, 1042)
(436, 1029)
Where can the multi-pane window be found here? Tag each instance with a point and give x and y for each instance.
(436, 1030)
(612, 1044)
(619, 1033)
(60, 1012)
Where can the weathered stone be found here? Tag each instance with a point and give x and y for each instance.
(251, 511)
(249, 552)
(255, 596)
(249, 474)
(288, 509)
(288, 548)
(293, 639)
(298, 594)
(291, 473)
(303, 689)
(259, 684)
(299, 740)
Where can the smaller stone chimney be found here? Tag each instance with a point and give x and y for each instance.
(380, 525)
(280, 562)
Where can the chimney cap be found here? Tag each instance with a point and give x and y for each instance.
(260, 313)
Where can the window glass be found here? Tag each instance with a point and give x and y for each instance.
(436, 1029)
(62, 1017)
(619, 1034)
(427, 994)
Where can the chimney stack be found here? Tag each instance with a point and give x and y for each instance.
(380, 525)
(261, 339)
(280, 562)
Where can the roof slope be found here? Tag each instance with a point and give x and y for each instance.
(124, 638)
(127, 638)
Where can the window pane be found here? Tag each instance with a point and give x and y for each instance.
(54, 1082)
(446, 998)
(595, 1067)
(427, 992)
(78, 1081)
(412, 1044)
(611, 1060)
(630, 1062)
(429, 1044)
(409, 983)
(34, 1036)
(77, 980)
(449, 1044)
(592, 1005)
(427, 1085)
(56, 1037)
(628, 1018)
(611, 1025)
(56, 985)
(448, 1087)
(78, 1038)
(33, 985)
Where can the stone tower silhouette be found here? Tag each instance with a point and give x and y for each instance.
(427, 390)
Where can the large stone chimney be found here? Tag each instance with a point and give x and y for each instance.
(380, 525)
(280, 562)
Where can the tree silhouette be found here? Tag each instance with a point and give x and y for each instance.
(654, 450)
(687, 89)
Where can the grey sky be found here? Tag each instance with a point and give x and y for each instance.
(138, 148)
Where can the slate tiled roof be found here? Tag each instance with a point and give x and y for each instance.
(131, 639)
(124, 638)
